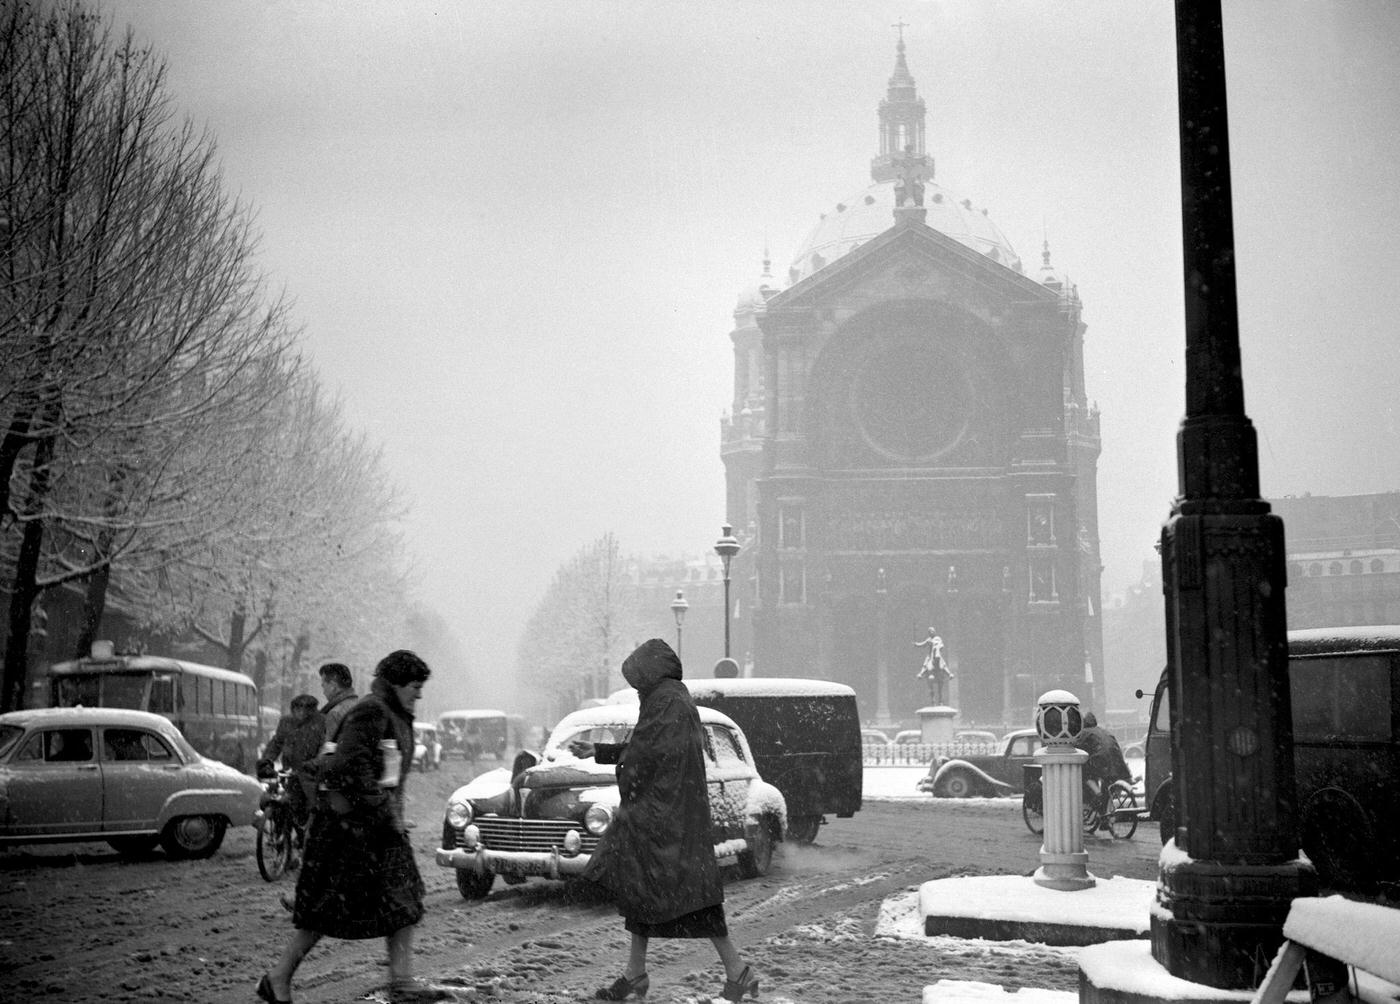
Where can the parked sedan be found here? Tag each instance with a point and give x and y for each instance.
(999, 773)
(125, 777)
(546, 820)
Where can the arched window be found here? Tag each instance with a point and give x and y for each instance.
(1315, 568)
(1377, 565)
(1335, 568)
(1295, 571)
(1356, 568)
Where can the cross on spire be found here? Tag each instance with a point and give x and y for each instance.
(900, 25)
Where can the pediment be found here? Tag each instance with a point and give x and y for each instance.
(913, 261)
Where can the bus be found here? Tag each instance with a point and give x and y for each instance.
(1344, 688)
(480, 732)
(215, 709)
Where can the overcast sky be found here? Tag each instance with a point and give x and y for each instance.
(516, 233)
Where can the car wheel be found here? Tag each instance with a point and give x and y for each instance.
(193, 836)
(957, 785)
(803, 829)
(474, 885)
(131, 846)
(757, 858)
(1339, 839)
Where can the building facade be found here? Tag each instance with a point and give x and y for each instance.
(910, 447)
(1343, 554)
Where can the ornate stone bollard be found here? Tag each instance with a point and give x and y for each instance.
(1063, 860)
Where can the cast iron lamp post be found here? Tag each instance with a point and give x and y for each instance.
(678, 607)
(1223, 897)
(726, 547)
(882, 669)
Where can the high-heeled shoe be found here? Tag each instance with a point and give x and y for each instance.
(416, 990)
(266, 992)
(622, 988)
(747, 983)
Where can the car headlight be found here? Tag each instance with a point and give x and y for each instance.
(459, 813)
(597, 819)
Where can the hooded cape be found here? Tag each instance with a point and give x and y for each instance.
(657, 858)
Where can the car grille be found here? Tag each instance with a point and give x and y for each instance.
(505, 833)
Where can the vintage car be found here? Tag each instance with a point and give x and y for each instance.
(427, 749)
(874, 737)
(976, 737)
(997, 773)
(125, 777)
(546, 819)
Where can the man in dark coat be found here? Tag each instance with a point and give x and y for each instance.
(657, 857)
(296, 741)
(1105, 764)
(339, 688)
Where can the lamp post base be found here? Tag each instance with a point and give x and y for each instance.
(1221, 924)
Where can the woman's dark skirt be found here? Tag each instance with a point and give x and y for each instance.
(706, 922)
(358, 879)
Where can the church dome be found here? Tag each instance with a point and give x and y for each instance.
(871, 212)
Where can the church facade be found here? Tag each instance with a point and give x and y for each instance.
(911, 448)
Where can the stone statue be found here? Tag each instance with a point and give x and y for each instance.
(909, 181)
(935, 668)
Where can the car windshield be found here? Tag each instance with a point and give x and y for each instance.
(9, 735)
(607, 732)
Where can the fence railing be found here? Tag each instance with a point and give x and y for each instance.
(919, 754)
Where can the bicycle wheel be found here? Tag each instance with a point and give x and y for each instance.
(1122, 811)
(1033, 810)
(274, 845)
(1093, 818)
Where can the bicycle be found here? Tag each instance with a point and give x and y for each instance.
(279, 837)
(1114, 808)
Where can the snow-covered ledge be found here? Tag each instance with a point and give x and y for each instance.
(1363, 936)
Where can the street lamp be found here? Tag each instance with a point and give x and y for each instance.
(726, 547)
(678, 607)
(882, 668)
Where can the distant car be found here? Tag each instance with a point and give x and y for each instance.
(908, 737)
(427, 750)
(998, 773)
(545, 818)
(975, 737)
(125, 777)
(873, 737)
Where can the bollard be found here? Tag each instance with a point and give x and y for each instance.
(1064, 864)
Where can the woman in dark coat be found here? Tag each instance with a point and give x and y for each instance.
(359, 879)
(657, 858)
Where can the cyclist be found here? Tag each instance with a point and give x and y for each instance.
(1105, 764)
(297, 741)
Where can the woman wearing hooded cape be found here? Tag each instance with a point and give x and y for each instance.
(657, 857)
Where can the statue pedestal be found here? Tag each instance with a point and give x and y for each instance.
(936, 723)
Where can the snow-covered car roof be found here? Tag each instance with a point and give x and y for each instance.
(624, 715)
(751, 686)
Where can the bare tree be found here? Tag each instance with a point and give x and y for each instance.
(130, 320)
(578, 633)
